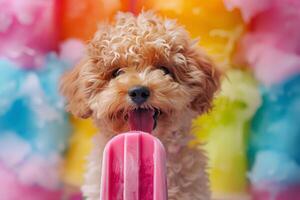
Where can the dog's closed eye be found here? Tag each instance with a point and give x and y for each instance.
(117, 72)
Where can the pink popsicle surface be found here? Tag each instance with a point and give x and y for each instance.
(134, 168)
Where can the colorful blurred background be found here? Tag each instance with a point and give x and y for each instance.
(252, 136)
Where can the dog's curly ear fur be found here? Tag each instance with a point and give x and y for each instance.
(71, 87)
(205, 79)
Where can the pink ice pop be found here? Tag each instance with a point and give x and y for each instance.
(134, 168)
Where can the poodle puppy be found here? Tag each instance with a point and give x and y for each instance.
(145, 68)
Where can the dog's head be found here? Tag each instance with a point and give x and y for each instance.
(141, 73)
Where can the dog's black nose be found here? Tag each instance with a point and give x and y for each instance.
(139, 94)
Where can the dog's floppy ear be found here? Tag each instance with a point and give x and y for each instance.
(72, 87)
(205, 79)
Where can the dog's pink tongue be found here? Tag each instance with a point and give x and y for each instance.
(141, 120)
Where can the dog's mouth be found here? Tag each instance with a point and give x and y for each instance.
(142, 119)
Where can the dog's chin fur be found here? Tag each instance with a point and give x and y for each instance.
(140, 46)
